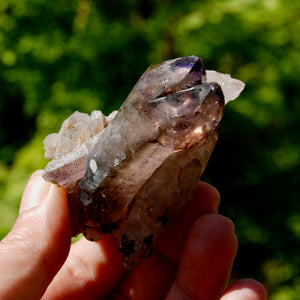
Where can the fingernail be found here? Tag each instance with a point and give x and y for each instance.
(35, 191)
(57, 210)
(56, 196)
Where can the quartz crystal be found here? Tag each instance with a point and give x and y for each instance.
(130, 174)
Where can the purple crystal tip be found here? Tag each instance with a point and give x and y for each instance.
(191, 62)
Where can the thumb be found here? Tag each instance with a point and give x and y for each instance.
(36, 248)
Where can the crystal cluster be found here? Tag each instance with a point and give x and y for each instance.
(130, 174)
(68, 149)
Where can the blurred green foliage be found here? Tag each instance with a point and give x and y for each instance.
(60, 56)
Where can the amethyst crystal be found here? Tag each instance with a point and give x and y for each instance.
(131, 177)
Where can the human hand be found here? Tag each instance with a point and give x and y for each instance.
(193, 258)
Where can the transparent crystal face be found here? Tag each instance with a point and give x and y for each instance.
(188, 116)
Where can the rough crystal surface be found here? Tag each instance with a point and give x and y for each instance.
(130, 173)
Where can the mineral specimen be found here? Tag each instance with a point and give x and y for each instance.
(130, 174)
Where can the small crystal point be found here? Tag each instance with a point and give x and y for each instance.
(231, 87)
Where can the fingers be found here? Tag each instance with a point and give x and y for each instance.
(39, 243)
(245, 289)
(153, 277)
(206, 259)
(94, 269)
(91, 271)
(37, 246)
(206, 200)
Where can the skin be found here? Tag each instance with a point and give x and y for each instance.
(193, 259)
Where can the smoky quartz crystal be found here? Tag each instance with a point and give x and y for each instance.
(131, 173)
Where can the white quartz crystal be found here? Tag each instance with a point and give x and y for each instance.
(50, 144)
(76, 130)
(231, 87)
